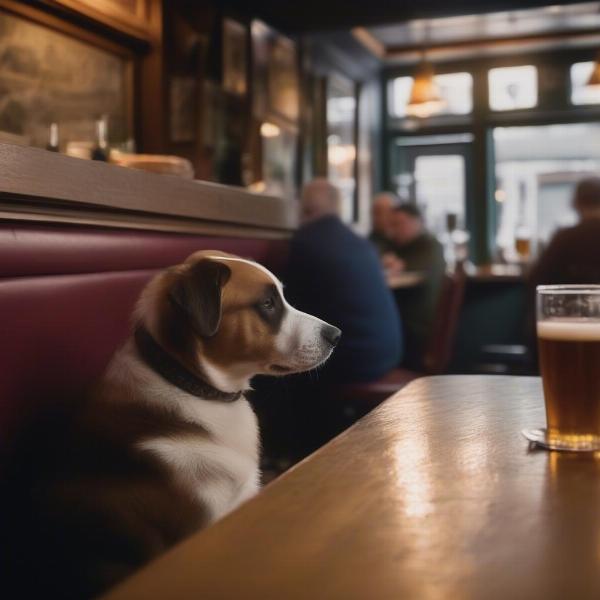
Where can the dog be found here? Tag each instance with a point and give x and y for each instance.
(166, 442)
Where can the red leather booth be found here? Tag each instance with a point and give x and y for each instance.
(66, 294)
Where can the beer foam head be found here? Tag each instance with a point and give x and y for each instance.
(569, 330)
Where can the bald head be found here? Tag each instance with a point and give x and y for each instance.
(586, 200)
(319, 199)
(383, 205)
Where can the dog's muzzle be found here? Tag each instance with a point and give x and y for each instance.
(331, 335)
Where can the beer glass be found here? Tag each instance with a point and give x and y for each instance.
(523, 247)
(568, 332)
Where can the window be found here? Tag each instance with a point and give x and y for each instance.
(511, 88)
(433, 171)
(341, 142)
(440, 189)
(455, 88)
(536, 170)
(580, 92)
(399, 95)
(278, 160)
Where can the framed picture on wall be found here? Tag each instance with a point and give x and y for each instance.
(36, 89)
(342, 132)
(275, 109)
(276, 86)
(183, 94)
(283, 88)
(235, 58)
(261, 34)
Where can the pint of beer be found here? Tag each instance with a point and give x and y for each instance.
(568, 331)
(523, 247)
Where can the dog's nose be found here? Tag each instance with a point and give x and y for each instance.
(331, 334)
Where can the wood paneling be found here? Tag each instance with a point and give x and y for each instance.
(56, 20)
(133, 17)
(151, 93)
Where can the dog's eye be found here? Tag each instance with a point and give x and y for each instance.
(268, 304)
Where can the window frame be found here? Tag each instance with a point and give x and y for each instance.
(554, 107)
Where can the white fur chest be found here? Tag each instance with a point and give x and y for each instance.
(219, 468)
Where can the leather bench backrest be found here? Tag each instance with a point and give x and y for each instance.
(66, 296)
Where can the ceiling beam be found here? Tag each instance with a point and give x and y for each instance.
(401, 49)
(328, 15)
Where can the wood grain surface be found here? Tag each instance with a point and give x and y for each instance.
(433, 495)
(32, 178)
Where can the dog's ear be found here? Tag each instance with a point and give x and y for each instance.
(197, 292)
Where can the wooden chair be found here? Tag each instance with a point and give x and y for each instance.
(443, 334)
(326, 412)
(358, 399)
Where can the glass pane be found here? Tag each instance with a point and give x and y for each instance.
(536, 171)
(341, 147)
(440, 189)
(400, 88)
(455, 88)
(580, 92)
(279, 160)
(512, 87)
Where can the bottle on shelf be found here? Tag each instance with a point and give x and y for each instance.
(100, 149)
(455, 241)
(53, 138)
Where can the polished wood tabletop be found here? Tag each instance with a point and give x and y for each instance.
(435, 494)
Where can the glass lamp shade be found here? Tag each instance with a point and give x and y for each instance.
(425, 99)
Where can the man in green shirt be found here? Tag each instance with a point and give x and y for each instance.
(414, 249)
(383, 206)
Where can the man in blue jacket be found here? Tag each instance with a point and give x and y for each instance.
(337, 276)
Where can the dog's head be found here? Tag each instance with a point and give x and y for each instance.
(227, 317)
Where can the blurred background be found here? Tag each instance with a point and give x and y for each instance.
(482, 118)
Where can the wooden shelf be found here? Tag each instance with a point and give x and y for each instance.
(43, 186)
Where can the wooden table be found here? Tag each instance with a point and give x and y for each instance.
(497, 273)
(405, 279)
(433, 495)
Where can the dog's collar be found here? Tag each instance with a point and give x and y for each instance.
(169, 368)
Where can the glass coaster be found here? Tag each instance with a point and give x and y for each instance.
(571, 443)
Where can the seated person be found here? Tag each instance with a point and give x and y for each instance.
(383, 205)
(415, 249)
(572, 255)
(335, 274)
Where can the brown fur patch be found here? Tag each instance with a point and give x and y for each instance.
(89, 507)
(242, 335)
